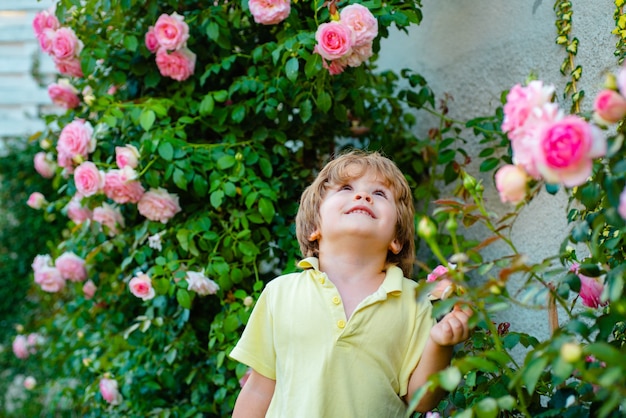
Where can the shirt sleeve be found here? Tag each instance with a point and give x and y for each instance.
(256, 346)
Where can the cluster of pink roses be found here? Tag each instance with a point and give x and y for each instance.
(346, 41)
(61, 43)
(25, 345)
(68, 266)
(141, 285)
(546, 143)
(168, 39)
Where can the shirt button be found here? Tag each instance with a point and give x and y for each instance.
(321, 280)
(336, 300)
(341, 323)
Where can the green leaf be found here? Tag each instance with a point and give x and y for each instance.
(213, 30)
(226, 161)
(166, 151)
(238, 113)
(200, 185)
(183, 298)
(324, 101)
(266, 208)
(131, 43)
(487, 408)
(266, 167)
(450, 378)
(306, 110)
(489, 164)
(207, 105)
(147, 118)
(248, 248)
(291, 69)
(217, 197)
(532, 372)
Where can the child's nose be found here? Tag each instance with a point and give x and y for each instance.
(363, 195)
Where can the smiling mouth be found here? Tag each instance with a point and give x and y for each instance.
(362, 211)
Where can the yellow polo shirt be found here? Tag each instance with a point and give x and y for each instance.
(326, 366)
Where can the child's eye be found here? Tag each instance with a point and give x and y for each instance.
(345, 187)
(380, 193)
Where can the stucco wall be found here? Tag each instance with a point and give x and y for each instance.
(475, 49)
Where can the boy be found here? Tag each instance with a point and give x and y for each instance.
(346, 337)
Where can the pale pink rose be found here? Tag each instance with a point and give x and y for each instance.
(112, 90)
(50, 279)
(359, 55)
(334, 40)
(69, 66)
(45, 40)
(141, 286)
(30, 383)
(511, 183)
(520, 102)
(66, 44)
(88, 179)
(335, 67)
(622, 204)
(609, 107)
(77, 212)
(109, 217)
(71, 267)
(566, 149)
(76, 140)
(245, 377)
(431, 414)
(45, 20)
(439, 271)
(151, 41)
(269, 12)
(36, 200)
(63, 94)
(127, 155)
(40, 261)
(171, 31)
(89, 289)
(44, 165)
(362, 22)
(179, 65)
(33, 340)
(20, 347)
(158, 205)
(109, 391)
(119, 188)
(590, 288)
(201, 284)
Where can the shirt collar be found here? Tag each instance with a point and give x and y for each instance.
(391, 285)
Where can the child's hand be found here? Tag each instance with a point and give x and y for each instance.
(453, 328)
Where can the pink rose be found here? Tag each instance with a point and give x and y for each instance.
(20, 347)
(511, 183)
(71, 267)
(334, 40)
(43, 165)
(171, 31)
(127, 155)
(30, 383)
(109, 391)
(45, 20)
(269, 12)
(179, 65)
(158, 205)
(76, 139)
(359, 55)
(199, 283)
(50, 279)
(45, 40)
(590, 288)
(439, 271)
(66, 44)
(76, 212)
(63, 94)
(566, 149)
(335, 67)
(362, 22)
(119, 188)
(69, 66)
(622, 204)
(41, 261)
(89, 289)
(609, 107)
(36, 200)
(520, 104)
(109, 217)
(88, 179)
(141, 286)
(151, 41)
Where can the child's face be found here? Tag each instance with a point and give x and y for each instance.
(362, 206)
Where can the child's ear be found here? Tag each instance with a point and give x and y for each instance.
(315, 235)
(395, 246)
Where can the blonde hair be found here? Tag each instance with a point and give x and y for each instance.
(340, 170)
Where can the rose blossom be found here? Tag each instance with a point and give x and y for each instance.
(71, 267)
(439, 271)
(76, 139)
(20, 347)
(334, 40)
(511, 183)
(609, 107)
(88, 179)
(36, 200)
(66, 44)
(70, 67)
(122, 189)
(590, 288)
(127, 155)
(154, 241)
(110, 217)
(151, 41)
(158, 205)
(269, 12)
(76, 212)
(179, 65)
(43, 165)
(565, 150)
(520, 102)
(89, 289)
(141, 286)
(171, 31)
(45, 40)
(41, 261)
(334, 67)
(109, 391)
(362, 22)
(45, 20)
(30, 383)
(63, 94)
(201, 284)
(50, 279)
